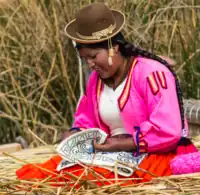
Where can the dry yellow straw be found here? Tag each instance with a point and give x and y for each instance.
(20, 160)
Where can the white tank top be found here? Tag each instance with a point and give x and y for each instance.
(109, 109)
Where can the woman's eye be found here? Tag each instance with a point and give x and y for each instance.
(93, 57)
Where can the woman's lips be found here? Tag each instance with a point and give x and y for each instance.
(99, 70)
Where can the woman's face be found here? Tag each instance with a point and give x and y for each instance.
(97, 59)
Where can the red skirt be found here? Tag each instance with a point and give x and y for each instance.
(155, 165)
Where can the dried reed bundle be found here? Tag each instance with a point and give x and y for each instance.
(176, 184)
(39, 81)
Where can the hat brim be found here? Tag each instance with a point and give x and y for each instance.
(70, 29)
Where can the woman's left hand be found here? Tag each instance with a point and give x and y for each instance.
(116, 144)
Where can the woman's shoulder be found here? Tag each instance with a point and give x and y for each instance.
(149, 65)
(145, 67)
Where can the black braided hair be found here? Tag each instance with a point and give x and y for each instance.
(127, 50)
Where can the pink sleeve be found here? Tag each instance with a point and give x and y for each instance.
(162, 131)
(85, 116)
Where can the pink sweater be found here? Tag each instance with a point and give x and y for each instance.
(148, 106)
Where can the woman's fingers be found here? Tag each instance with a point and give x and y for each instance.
(68, 133)
(101, 147)
(116, 145)
(106, 147)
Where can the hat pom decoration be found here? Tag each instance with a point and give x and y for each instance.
(110, 55)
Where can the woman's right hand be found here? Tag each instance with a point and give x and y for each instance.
(68, 133)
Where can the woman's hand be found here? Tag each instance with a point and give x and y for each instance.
(116, 144)
(69, 133)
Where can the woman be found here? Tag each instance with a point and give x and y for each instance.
(132, 95)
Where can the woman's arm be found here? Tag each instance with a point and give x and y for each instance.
(162, 131)
(84, 117)
(117, 143)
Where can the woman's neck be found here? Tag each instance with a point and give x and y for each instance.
(120, 75)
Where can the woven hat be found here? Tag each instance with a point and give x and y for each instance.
(95, 23)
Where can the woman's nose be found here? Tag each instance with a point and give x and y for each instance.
(90, 63)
